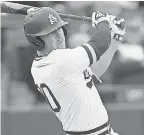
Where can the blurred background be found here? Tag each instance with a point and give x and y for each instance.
(24, 109)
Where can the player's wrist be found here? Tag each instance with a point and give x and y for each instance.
(117, 37)
(114, 43)
(102, 24)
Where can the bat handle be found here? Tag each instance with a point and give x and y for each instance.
(75, 17)
(88, 19)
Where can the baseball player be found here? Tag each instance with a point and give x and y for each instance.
(64, 75)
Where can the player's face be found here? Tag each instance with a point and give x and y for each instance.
(59, 38)
(55, 40)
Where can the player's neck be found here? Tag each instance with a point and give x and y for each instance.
(44, 52)
(49, 48)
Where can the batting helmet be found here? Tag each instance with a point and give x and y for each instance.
(42, 21)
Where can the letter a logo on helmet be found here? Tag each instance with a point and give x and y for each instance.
(52, 19)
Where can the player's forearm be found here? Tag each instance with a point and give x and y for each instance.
(101, 39)
(105, 60)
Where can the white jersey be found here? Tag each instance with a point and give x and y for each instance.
(66, 79)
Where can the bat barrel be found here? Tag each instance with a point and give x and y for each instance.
(13, 8)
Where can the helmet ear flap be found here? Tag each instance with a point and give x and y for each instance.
(40, 42)
(37, 42)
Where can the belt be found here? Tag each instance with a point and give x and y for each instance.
(97, 129)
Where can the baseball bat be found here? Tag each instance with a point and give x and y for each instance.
(20, 9)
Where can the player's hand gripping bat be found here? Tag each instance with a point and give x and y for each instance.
(20, 9)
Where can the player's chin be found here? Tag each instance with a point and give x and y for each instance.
(61, 46)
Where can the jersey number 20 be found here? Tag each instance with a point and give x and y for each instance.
(49, 96)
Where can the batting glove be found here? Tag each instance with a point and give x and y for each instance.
(117, 27)
(98, 17)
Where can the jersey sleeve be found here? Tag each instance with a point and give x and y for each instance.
(81, 57)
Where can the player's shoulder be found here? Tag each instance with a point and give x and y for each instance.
(49, 64)
(65, 53)
(60, 52)
(54, 57)
(58, 57)
(62, 55)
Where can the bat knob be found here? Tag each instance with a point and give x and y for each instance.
(120, 22)
(123, 25)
